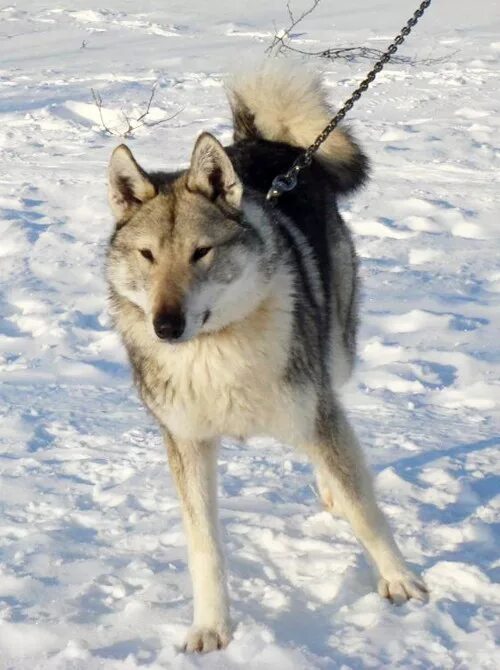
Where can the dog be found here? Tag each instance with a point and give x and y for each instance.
(239, 316)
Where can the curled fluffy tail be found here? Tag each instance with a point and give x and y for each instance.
(285, 102)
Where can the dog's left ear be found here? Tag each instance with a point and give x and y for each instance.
(212, 173)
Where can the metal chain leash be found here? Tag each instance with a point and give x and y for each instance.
(288, 181)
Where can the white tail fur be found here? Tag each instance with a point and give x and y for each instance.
(282, 101)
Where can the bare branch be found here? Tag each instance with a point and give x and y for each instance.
(128, 132)
(153, 92)
(282, 42)
(131, 124)
(98, 104)
(279, 38)
(351, 54)
(169, 118)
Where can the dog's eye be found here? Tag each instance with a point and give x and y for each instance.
(200, 253)
(147, 254)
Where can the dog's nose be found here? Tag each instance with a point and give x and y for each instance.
(169, 325)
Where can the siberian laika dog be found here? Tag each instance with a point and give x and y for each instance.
(239, 316)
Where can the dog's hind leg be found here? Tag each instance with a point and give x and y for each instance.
(324, 486)
(339, 462)
(194, 468)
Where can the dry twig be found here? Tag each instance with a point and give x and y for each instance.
(282, 42)
(279, 38)
(132, 124)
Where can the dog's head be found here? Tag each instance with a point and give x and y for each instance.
(183, 251)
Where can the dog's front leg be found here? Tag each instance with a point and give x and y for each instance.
(194, 468)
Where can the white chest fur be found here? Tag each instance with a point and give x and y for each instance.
(230, 382)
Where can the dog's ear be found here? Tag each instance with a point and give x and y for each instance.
(212, 173)
(128, 185)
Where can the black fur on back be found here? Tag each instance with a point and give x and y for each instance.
(309, 205)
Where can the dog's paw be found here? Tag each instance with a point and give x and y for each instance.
(202, 639)
(402, 586)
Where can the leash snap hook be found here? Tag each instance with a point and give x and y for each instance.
(281, 184)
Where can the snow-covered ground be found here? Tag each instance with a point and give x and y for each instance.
(92, 555)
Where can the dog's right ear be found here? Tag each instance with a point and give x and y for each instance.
(128, 186)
